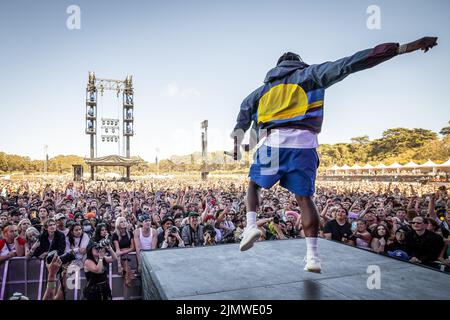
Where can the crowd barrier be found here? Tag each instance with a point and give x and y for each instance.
(29, 277)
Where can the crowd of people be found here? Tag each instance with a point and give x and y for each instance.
(90, 224)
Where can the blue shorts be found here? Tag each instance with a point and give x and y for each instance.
(295, 169)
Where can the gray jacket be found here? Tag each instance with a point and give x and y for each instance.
(190, 236)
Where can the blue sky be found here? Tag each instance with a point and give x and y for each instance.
(196, 60)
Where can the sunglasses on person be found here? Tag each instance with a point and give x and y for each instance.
(415, 222)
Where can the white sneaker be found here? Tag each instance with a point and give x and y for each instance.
(249, 236)
(312, 264)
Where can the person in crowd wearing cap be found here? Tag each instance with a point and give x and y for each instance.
(145, 238)
(399, 242)
(295, 218)
(166, 223)
(78, 216)
(172, 239)
(8, 244)
(192, 233)
(60, 219)
(96, 271)
(33, 213)
(422, 245)
(444, 215)
(290, 106)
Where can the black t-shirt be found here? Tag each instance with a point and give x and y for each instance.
(125, 241)
(426, 247)
(337, 231)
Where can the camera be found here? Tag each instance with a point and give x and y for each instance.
(18, 296)
(104, 243)
(276, 219)
(211, 231)
(173, 230)
(65, 258)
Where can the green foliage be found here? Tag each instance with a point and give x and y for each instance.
(398, 144)
(445, 131)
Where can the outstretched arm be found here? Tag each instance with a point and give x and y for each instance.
(328, 73)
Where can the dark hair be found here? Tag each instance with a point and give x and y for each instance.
(6, 226)
(342, 208)
(98, 229)
(362, 220)
(289, 56)
(433, 222)
(71, 236)
(89, 254)
(43, 208)
(376, 235)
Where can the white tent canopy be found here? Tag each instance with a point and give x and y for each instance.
(428, 164)
(411, 164)
(395, 165)
(445, 164)
(381, 166)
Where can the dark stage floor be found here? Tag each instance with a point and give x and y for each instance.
(273, 270)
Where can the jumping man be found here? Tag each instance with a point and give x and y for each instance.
(287, 110)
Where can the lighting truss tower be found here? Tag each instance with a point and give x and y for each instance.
(204, 127)
(128, 116)
(91, 115)
(96, 85)
(110, 131)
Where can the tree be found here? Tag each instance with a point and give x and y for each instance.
(445, 131)
(360, 140)
(398, 140)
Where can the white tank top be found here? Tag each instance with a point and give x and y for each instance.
(146, 242)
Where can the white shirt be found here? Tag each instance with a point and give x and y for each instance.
(7, 248)
(292, 138)
(146, 242)
(78, 243)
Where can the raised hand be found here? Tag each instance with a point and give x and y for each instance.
(425, 44)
